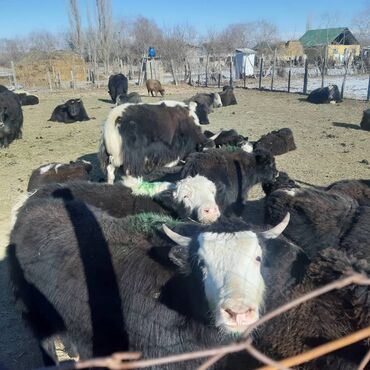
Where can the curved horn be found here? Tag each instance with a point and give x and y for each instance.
(278, 229)
(183, 241)
(215, 136)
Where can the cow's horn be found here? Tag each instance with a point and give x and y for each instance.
(215, 136)
(181, 240)
(278, 229)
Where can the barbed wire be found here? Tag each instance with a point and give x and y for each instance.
(131, 360)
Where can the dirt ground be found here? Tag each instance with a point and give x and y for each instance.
(330, 147)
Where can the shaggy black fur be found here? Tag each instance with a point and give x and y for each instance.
(227, 96)
(277, 142)
(283, 181)
(11, 118)
(27, 99)
(365, 122)
(117, 85)
(234, 173)
(357, 189)
(227, 137)
(71, 111)
(72, 171)
(324, 95)
(106, 286)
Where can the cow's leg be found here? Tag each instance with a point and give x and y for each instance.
(110, 173)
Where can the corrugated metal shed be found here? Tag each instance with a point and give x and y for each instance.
(327, 36)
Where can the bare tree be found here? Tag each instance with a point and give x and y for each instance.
(75, 30)
(361, 26)
(43, 41)
(104, 28)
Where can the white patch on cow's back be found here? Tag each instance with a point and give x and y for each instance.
(233, 278)
(47, 168)
(291, 192)
(192, 108)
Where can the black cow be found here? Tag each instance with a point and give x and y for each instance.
(72, 110)
(11, 118)
(323, 95)
(277, 142)
(227, 96)
(128, 98)
(117, 85)
(143, 137)
(234, 173)
(102, 284)
(27, 99)
(365, 122)
(230, 138)
(359, 190)
(59, 173)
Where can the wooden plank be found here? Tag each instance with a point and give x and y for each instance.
(261, 70)
(368, 90)
(273, 71)
(305, 78)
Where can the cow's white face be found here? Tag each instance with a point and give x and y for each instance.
(198, 195)
(233, 282)
(217, 103)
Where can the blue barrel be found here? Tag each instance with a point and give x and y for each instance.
(151, 53)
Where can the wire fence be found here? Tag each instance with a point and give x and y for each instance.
(131, 360)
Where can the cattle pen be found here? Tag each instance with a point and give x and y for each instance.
(327, 135)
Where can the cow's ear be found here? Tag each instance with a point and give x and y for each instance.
(118, 120)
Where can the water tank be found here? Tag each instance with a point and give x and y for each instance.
(151, 53)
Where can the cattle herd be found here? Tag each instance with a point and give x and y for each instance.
(161, 258)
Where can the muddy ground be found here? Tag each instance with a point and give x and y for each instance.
(330, 147)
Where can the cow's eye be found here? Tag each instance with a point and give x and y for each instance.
(258, 259)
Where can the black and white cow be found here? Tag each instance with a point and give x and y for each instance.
(117, 85)
(211, 100)
(192, 197)
(11, 118)
(72, 110)
(102, 284)
(234, 173)
(230, 138)
(365, 122)
(59, 173)
(328, 94)
(142, 137)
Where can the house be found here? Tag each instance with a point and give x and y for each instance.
(244, 62)
(290, 50)
(338, 43)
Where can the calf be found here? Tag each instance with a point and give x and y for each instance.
(234, 173)
(329, 94)
(117, 85)
(277, 142)
(227, 96)
(359, 190)
(128, 98)
(72, 110)
(230, 138)
(154, 86)
(11, 118)
(142, 137)
(59, 173)
(103, 284)
(365, 122)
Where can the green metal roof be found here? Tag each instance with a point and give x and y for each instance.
(326, 36)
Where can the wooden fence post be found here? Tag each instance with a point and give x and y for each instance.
(261, 70)
(121, 65)
(273, 71)
(207, 62)
(49, 81)
(198, 82)
(368, 90)
(346, 66)
(219, 80)
(231, 70)
(14, 75)
(72, 80)
(324, 67)
(305, 78)
(289, 77)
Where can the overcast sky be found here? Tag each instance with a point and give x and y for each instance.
(19, 17)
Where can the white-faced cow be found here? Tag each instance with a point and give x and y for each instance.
(193, 197)
(71, 111)
(117, 85)
(141, 137)
(102, 284)
(328, 94)
(11, 118)
(211, 100)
